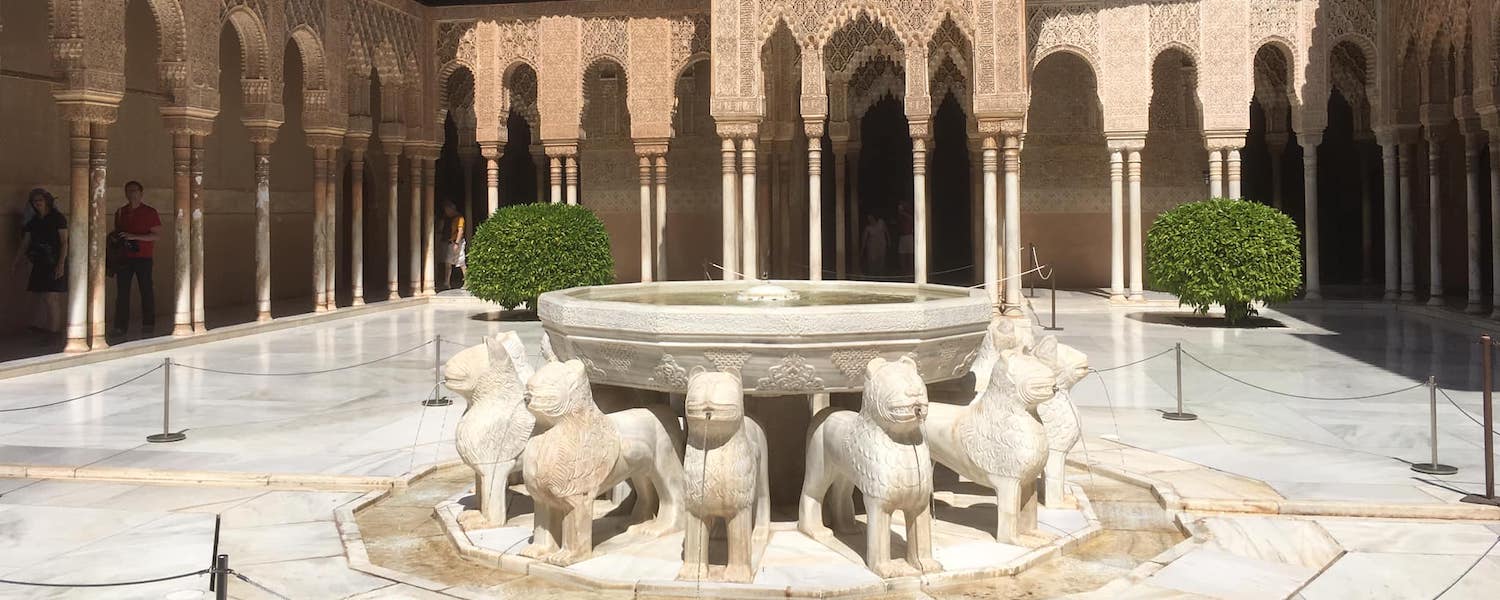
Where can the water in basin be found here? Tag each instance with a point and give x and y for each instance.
(804, 296)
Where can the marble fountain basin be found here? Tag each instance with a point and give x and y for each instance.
(783, 337)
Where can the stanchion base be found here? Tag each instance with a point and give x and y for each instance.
(162, 438)
(1434, 468)
(439, 401)
(1052, 329)
(1478, 499)
(1179, 416)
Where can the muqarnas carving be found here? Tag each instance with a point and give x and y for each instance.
(998, 439)
(495, 425)
(881, 451)
(726, 473)
(579, 452)
(1059, 416)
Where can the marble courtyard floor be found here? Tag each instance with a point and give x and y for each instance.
(1297, 487)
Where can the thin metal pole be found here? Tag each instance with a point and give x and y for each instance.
(220, 578)
(1434, 467)
(1485, 370)
(1180, 415)
(437, 399)
(1052, 277)
(166, 435)
(1030, 289)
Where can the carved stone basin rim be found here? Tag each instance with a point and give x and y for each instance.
(650, 335)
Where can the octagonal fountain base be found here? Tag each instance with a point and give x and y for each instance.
(793, 565)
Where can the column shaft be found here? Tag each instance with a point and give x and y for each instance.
(1215, 174)
(79, 238)
(1389, 196)
(262, 229)
(1434, 222)
(320, 245)
(1495, 224)
(100, 224)
(1310, 219)
(1476, 276)
(1408, 231)
(661, 217)
(357, 225)
(571, 165)
(840, 215)
(556, 178)
(1012, 222)
(414, 227)
(749, 254)
(1116, 226)
(331, 222)
(491, 180)
(729, 201)
(195, 167)
(991, 220)
(1232, 172)
(815, 209)
(919, 208)
(429, 216)
(182, 241)
(392, 234)
(644, 163)
(1137, 242)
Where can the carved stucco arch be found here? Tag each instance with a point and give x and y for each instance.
(1083, 54)
(1198, 102)
(314, 60)
(688, 63)
(449, 98)
(531, 111)
(591, 68)
(255, 49)
(849, 11)
(1288, 57)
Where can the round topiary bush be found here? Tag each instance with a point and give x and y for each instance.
(524, 250)
(1226, 252)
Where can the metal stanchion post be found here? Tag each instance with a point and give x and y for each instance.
(437, 399)
(1052, 277)
(1180, 415)
(1434, 467)
(1485, 370)
(166, 435)
(1031, 289)
(220, 578)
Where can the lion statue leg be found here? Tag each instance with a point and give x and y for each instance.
(492, 499)
(816, 479)
(577, 532)
(695, 549)
(1008, 503)
(878, 542)
(919, 541)
(544, 532)
(739, 530)
(1054, 474)
(842, 509)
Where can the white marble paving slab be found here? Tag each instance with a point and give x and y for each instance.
(1372, 576)
(1219, 574)
(1407, 537)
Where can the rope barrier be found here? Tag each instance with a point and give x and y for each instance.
(1461, 410)
(104, 585)
(1300, 396)
(241, 576)
(1132, 363)
(90, 394)
(303, 373)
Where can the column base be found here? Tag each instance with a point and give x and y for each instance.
(263, 317)
(1117, 297)
(1435, 300)
(1137, 297)
(1390, 296)
(358, 301)
(182, 330)
(319, 307)
(200, 327)
(1474, 307)
(1312, 296)
(76, 346)
(393, 296)
(98, 343)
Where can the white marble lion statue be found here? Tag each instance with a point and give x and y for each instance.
(495, 425)
(881, 451)
(998, 440)
(1059, 416)
(578, 452)
(727, 477)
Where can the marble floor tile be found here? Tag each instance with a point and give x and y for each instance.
(1404, 537)
(1219, 574)
(1379, 576)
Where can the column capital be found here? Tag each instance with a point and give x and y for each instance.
(188, 120)
(838, 131)
(328, 139)
(1220, 141)
(737, 128)
(560, 148)
(89, 112)
(1309, 140)
(1434, 116)
(262, 132)
(392, 148)
(650, 147)
(812, 128)
(490, 150)
(920, 129)
(1125, 141)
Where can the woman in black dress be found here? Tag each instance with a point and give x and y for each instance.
(44, 243)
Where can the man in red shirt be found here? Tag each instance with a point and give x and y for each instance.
(139, 225)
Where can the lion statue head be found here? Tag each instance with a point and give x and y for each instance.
(1068, 364)
(500, 361)
(715, 403)
(1022, 377)
(557, 390)
(895, 396)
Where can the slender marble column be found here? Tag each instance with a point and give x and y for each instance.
(429, 218)
(262, 138)
(749, 255)
(100, 224)
(195, 167)
(729, 203)
(556, 169)
(919, 205)
(1408, 231)
(1117, 226)
(1012, 222)
(357, 220)
(331, 229)
(392, 234)
(571, 167)
(1390, 193)
(1215, 174)
(320, 246)
(539, 160)
(644, 163)
(1434, 222)
(1495, 223)
(840, 215)
(182, 225)
(1137, 243)
(414, 225)
(991, 219)
(1472, 145)
(857, 249)
(1232, 172)
(79, 238)
(491, 153)
(661, 217)
(1310, 143)
(815, 205)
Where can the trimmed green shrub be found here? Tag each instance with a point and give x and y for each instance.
(1226, 252)
(524, 250)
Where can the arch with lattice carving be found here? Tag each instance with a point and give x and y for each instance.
(254, 45)
(314, 62)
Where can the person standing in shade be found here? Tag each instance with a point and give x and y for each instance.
(44, 243)
(905, 246)
(876, 242)
(139, 226)
(453, 251)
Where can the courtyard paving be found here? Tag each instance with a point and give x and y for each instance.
(1308, 433)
